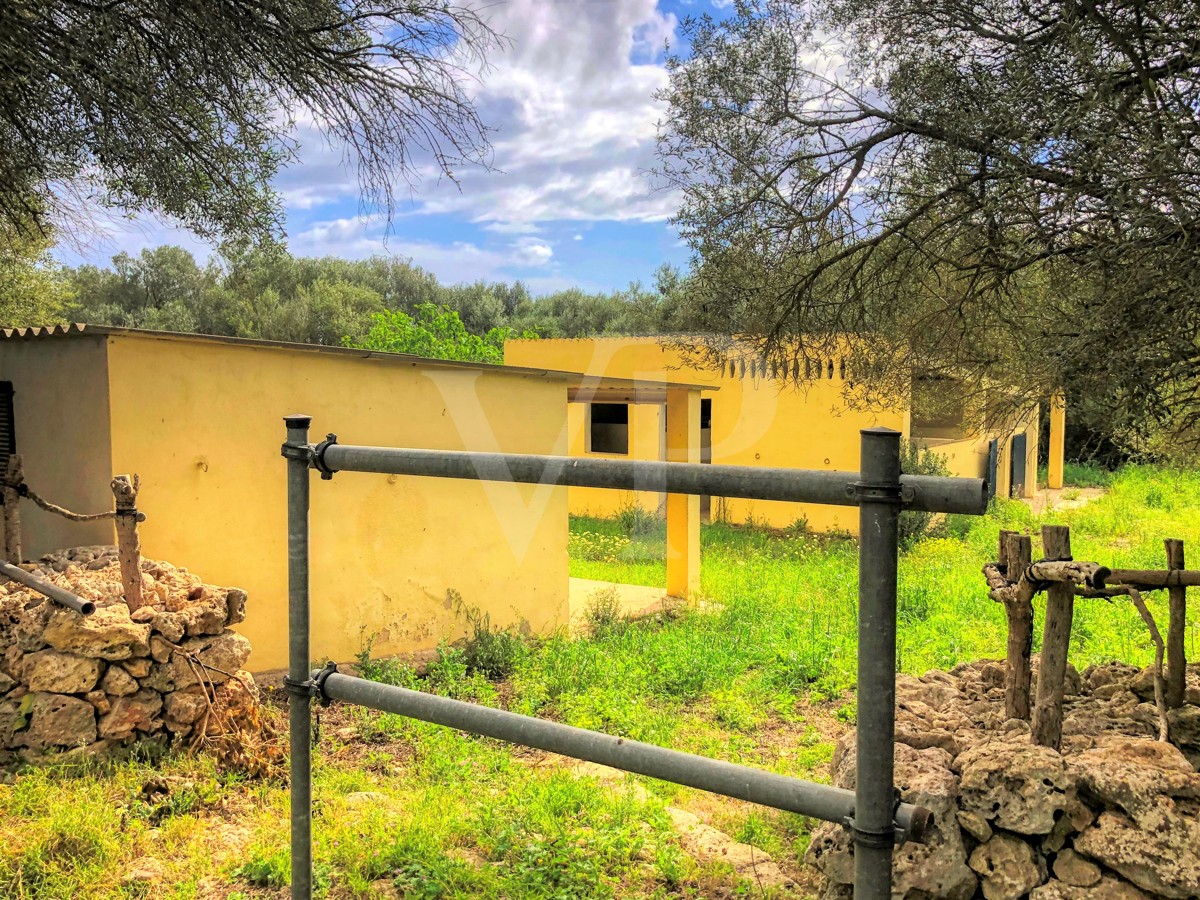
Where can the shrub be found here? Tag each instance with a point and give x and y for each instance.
(602, 612)
(916, 460)
(634, 520)
(492, 652)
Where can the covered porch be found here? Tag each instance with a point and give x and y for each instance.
(608, 435)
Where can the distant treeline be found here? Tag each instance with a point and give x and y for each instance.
(333, 301)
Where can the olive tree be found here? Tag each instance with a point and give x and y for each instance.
(189, 107)
(1004, 192)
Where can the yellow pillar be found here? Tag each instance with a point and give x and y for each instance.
(1058, 428)
(683, 510)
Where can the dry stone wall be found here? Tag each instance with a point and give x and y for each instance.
(1114, 816)
(172, 671)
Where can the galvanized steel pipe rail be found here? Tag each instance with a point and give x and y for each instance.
(873, 813)
(59, 595)
(821, 801)
(923, 493)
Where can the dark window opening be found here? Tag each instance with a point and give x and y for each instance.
(8, 435)
(705, 414)
(609, 428)
(937, 407)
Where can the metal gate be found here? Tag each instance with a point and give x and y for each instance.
(875, 817)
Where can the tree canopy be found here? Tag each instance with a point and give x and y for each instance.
(436, 333)
(991, 190)
(327, 300)
(188, 108)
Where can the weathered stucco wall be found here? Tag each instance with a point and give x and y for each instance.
(60, 411)
(756, 421)
(967, 457)
(202, 424)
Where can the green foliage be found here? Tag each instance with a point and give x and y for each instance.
(33, 288)
(490, 651)
(1086, 475)
(635, 520)
(379, 303)
(602, 612)
(917, 460)
(163, 107)
(386, 670)
(434, 332)
(974, 188)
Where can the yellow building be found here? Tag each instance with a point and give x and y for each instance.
(200, 420)
(752, 416)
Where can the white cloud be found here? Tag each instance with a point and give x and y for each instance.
(356, 237)
(532, 252)
(572, 102)
(574, 118)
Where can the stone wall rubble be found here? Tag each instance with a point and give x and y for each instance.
(173, 670)
(1114, 816)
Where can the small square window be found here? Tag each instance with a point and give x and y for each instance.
(608, 428)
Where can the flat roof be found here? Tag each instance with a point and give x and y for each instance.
(581, 388)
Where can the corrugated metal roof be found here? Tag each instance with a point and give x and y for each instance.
(579, 385)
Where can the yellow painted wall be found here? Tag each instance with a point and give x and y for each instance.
(60, 411)
(967, 456)
(202, 424)
(756, 421)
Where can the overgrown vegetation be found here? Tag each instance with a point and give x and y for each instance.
(383, 303)
(763, 676)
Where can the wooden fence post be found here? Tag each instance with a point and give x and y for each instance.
(1176, 657)
(1056, 638)
(1018, 552)
(13, 476)
(129, 551)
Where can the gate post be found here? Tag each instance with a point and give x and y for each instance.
(875, 802)
(299, 721)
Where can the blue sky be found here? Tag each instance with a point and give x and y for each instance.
(570, 203)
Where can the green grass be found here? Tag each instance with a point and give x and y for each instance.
(1080, 475)
(764, 676)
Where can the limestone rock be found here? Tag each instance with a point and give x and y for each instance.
(937, 868)
(221, 656)
(161, 678)
(171, 626)
(235, 605)
(56, 720)
(1158, 852)
(1007, 867)
(23, 620)
(61, 673)
(128, 714)
(206, 616)
(160, 649)
(1020, 787)
(974, 824)
(1109, 888)
(138, 668)
(98, 699)
(118, 682)
(186, 706)
(1071, 868)
(1184, 726)
(108, 633)
(707, 843)
(1133, 774)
